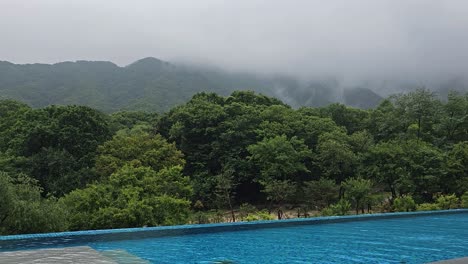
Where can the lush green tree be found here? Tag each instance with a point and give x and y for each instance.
(58, 145)
(225, 191)
(454, 122)
(342, 207)
(384, 124)
(129, 119)
(358, 189)
(418, 112)
(24, 210)
(353, 119)
(386, 164)
(424, 167)
(280, 158)
(404, 203)
(464, 200)
(195, 128)
(137, 148)
(455, 178)
(320, 193)
(237, 133)
(279, 192)
(336, 157)
(446, 202)
(132, 197)
(10, 113)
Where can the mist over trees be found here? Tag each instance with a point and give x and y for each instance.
(74, 167)
(153, 85)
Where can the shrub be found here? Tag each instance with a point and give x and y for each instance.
(200, 218)
(464, 200)
(261, 215)
(218, 217)
(427, 207)
(326, 212)
(340, 208)
(404, 204)
(447, 201)
(245, 209)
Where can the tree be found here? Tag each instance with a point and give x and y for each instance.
(418, 111)
(357, 189)
(336, 157)
(280, 158)
(455, 178)
(24, 210)
(386, 164)
(454, 123)
(129, 119)
(278, 192)
(404, 203)
(10, 113)
(352, 119)
(58, 145)
(137, 148)
(132, 197)
(424, 167)
(195, 128)
(320, 193)
(225, 190)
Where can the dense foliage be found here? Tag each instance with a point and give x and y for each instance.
(219, 158)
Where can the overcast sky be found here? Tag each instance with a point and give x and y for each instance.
(348, 38)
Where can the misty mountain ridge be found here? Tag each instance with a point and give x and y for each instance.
(151, 84)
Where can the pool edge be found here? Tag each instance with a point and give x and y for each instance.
(7, 242)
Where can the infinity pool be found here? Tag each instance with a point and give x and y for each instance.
(418, 239)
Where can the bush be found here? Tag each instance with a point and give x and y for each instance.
(340, 208)
(245, 209)
(261, 215)
(404, 204)
(447, 201)
(327, 212)
(200, 218)
(464, 200)
(427, 207)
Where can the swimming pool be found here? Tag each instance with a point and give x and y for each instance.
(419, 239)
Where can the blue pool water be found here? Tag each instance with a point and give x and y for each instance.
(407, 240)
(416, 238)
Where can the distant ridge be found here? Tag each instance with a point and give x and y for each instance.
(152, 84)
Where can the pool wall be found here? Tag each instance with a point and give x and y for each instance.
(16, 242)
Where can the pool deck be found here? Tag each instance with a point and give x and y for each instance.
(79, 255)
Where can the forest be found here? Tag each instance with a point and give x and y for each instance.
(241, 157)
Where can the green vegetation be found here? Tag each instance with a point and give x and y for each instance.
(213, 159)
(404, 203)
(153, 85)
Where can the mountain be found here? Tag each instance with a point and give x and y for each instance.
(154, 85)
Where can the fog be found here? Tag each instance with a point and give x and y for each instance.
(353, 41)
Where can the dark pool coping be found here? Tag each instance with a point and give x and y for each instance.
(13, 242)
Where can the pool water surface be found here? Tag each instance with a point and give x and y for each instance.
(419, 239)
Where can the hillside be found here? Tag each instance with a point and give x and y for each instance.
(154, 85)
